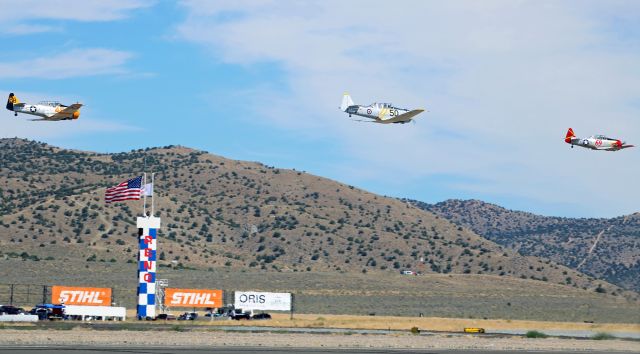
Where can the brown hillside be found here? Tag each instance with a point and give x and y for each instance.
(608, 249)
(223, 213)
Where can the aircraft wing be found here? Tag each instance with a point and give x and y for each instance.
(405, 117)
(66, 113)
(365, 121)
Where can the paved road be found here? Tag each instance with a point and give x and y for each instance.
(180, 350)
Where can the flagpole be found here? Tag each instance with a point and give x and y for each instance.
(144, 197)
(152, 194)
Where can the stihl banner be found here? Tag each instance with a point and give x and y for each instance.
(192, 297)
(80, 296)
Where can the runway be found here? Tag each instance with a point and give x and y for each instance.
(251, 350)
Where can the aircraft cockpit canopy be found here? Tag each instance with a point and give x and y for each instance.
(50, 103)
(602, 137)
(383, 105)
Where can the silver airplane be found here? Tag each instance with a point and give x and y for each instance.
(596, 142)
(383, 113)
(48, 110)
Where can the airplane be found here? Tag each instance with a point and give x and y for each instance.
(595, 142)
(48, 110)
(383, 113)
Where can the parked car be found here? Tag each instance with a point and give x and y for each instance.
(43, 314)
(166, 317)
(238, 315)
(188, 316)
(11, 310)
(261, 316)
(224, 311)
(48, 312)
(208, 314)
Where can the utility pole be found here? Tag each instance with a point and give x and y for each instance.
(293, 301)
(152, 195)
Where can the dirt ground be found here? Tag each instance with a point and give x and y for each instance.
(423, 323)
(204, 338)
(437, 324)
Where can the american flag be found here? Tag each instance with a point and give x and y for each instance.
(128, 190)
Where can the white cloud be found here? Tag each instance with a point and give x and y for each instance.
(71, 63)
(16, 17)
(503, 81)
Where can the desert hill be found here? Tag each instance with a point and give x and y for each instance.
(608, 249)
(237, 215)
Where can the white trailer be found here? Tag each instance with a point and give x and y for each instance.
(103, 313)
(18, 318)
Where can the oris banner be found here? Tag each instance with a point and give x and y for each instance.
(192, 297)
(80, 296)
(251, 300)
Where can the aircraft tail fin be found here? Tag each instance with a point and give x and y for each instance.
(346, 102)
(13, 99)
(569, 135)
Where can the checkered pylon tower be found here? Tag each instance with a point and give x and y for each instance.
(147, 265)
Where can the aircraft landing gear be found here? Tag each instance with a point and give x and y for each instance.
(572, 146)
(15, 114)
(349, 115)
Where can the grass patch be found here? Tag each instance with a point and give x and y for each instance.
(603, 336)
(21, 328)
(177, 328)
(59, 325)
(535, 334)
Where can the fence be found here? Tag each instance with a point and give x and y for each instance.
(24, 294)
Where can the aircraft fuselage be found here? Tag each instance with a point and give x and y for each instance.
(376, 111)
(598, 143)
(48, 110)
(44, 111)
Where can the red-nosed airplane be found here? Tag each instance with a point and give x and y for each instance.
(596, 142)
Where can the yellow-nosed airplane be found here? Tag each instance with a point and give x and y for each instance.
(48, 110)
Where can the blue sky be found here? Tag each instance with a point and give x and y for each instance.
(261, 81)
